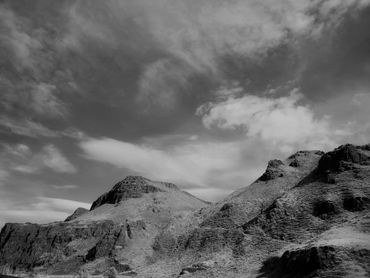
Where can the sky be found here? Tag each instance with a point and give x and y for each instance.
(201, 93)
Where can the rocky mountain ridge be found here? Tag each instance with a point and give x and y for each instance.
(123, 220)
(307, 216)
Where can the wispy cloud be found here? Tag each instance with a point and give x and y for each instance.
(25, 127)
(14, 38)
(191, 163)
(162, 81)
(44, 101)
(55, 160)
(50, 157)
(57, 204)
(16, 206)
(65, 186)
(38, 210)
(195, 36)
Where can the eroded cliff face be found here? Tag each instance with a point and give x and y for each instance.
(61, 246)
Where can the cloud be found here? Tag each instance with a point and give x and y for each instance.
(65, 186)
(334, 10)
(15, 39)
(191, 163)
(50, 157)
(25, 127)
(19, 150)
(17, 202)
(43, 203)
(198, 32)
(44, 101)
(349, 112)
(24, 100)
(195, 37)
(38, 210)
(31, 78)
(161, 81)
(3, 176)
(55, 160)
(282, 122)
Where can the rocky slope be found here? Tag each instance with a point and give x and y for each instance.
(118, 231)
(307, 216)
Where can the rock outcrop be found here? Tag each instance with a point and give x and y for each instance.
(274, 170)
(302, 263)
(343, 157)
(246, 203)
(61, 245)
(130, 187)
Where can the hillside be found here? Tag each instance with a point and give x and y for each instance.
(306, 216)
(118, 230)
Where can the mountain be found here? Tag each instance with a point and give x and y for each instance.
(118, 231)
(306, 216)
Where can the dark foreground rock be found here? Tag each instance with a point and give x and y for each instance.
(301, 263)
(318, 261)
(343, 158)
(65, 247)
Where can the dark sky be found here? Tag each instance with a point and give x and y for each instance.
(197, 92)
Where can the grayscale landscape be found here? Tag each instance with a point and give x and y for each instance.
(185, 138)
(307, 216)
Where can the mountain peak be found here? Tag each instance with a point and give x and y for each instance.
(131, 181)
(132, 187)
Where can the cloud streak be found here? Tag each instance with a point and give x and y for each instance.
(191, 163)
(194, 37)
(15, 39)
(25, 127)
(21, 159)
(38, 210)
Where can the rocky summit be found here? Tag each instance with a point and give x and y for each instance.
(306, 216)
